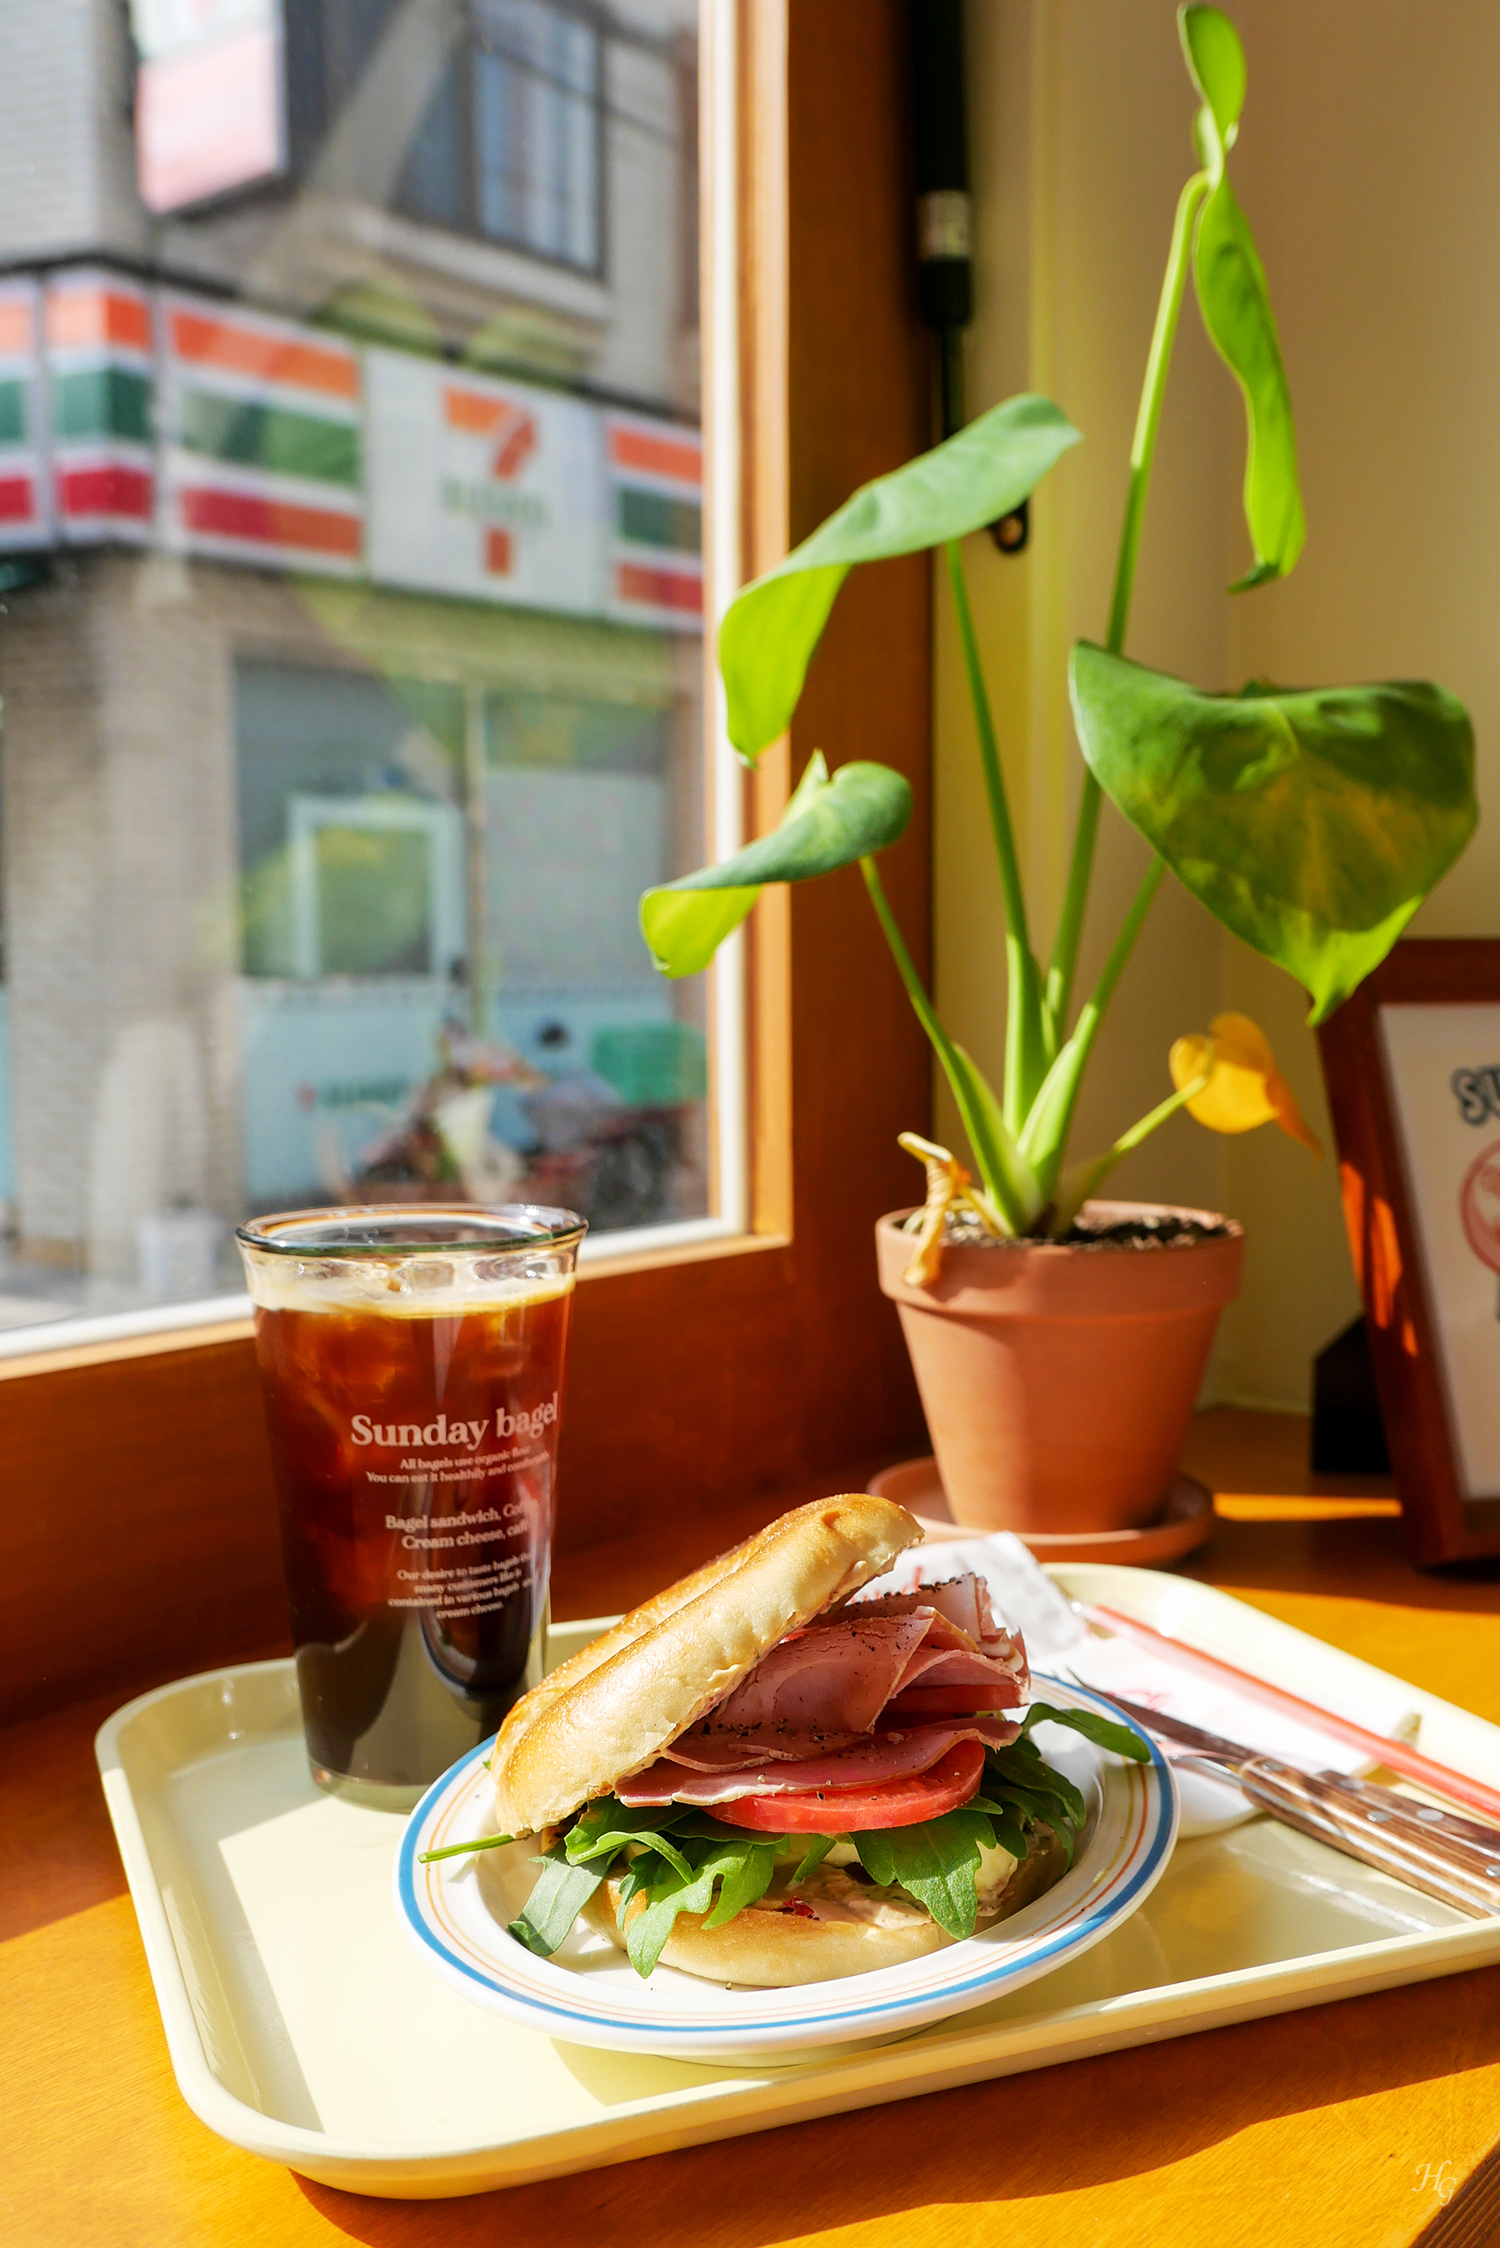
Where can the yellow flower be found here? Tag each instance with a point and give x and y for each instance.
(1244, 1086)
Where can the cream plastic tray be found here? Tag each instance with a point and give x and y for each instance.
(302, 2026)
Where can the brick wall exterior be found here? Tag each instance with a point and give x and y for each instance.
(67, 158)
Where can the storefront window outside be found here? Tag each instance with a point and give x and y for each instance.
(350, 532)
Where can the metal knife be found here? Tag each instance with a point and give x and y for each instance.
(1454, 1859)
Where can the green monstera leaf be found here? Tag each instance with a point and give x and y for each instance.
(828, 823)
(1235, 302)
(770, 630)
(1311, 821)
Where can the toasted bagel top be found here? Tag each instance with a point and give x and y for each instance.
(612, 1708)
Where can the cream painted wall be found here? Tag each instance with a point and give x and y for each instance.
(1376, 207)
(1373, 183)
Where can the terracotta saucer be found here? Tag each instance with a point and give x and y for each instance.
(1185, 1521)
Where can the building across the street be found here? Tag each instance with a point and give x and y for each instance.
(351, 504)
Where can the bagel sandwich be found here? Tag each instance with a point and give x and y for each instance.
(775, 1773)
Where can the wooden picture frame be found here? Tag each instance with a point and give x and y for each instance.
(1412, 1066)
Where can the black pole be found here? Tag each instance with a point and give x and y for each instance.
(945, 277)
(945, 214)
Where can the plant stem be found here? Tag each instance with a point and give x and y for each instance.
(942, 1045)
(915, 991)
(989, 755)
(1078, 1186)
(1064, 960)
(1026, 1054)
(1142, 452)
(1091, 1014)
(1045, 1140)
(1153, 396)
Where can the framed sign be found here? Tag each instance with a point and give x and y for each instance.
(491, 490)
(1412, 1064)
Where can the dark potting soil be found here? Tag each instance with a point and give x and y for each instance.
(1166, 1232)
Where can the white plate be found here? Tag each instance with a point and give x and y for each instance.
(456, 1911)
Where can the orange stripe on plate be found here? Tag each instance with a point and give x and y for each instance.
(245, 351)
(97, 316)
(663, 456)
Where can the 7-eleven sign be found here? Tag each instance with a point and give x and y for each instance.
(510, 434)
(491, 489)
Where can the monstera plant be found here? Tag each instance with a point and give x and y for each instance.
(1311, 821)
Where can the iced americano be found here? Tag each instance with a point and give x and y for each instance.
(412, 1368)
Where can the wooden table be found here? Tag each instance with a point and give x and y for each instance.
(1371, 2122)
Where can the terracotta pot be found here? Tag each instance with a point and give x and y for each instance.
(1058, 1382)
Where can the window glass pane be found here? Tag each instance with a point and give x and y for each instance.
(351, 645)
(433, 183)
(537, 128)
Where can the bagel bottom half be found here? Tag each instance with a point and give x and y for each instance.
(772, 1948)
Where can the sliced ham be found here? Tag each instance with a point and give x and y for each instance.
(879, 1690)
(990, 1682)
(964, 1601)
(918, 1704)
(759, 1744)
(995, 1673)
(884, 1756)
(836, 1675)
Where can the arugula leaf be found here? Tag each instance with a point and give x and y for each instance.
(461, 1849)
(1035, 1792)
(646, 1934)
(1031, 1803)
(936, 1862)
(702, 1826)
(606, 1827)
(1022, 1766)
(742, 1866)
(745, 1884)
(1048, 1812)
(608, 1815)
(559, 1897)
(1102, 1731)
(816, 1851)
(638, 1875)
(1006, 1825)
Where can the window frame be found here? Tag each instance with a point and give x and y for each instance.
(470, 223)
(306, 47)
(714, 1370)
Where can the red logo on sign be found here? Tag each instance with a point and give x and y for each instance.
(1479, 1207)
(512, 434)
(517, 443)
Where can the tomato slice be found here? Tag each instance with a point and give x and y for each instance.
(852, 1810)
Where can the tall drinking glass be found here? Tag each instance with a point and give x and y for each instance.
(411, 1363)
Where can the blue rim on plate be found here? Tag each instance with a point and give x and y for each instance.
(1137, 1823)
